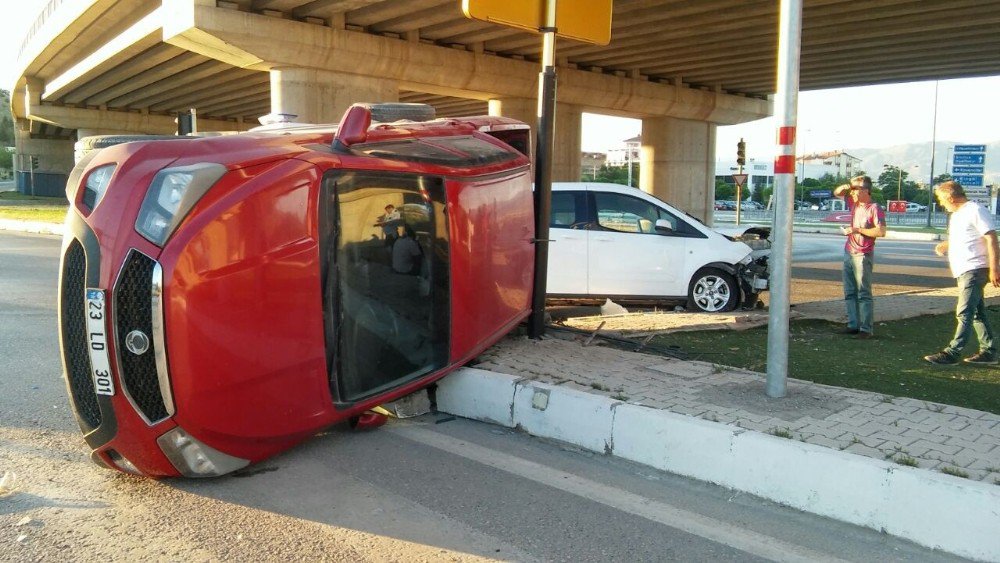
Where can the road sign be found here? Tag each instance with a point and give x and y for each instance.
(970, 159)
(967, 169)
(970, 148)
(583, 20)
(819, 194)
(740, 179)
(969, 180)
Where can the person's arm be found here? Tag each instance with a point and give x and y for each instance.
(875, 231)
(941, 248)
(841, 190)
(993, 255)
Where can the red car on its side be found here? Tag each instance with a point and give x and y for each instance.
(224, 298)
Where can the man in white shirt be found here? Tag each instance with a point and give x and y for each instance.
(974, 258)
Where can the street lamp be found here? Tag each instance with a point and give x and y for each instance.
(899, 181)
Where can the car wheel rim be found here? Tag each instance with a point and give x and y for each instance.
(711, 293)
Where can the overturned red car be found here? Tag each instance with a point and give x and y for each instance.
(223, 298)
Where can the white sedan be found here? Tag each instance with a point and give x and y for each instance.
(617, 242)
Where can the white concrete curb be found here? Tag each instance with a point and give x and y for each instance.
(932, 509)
(31, 227)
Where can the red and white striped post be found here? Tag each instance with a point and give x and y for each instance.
(786, 105)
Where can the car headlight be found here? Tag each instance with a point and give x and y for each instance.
(171, 195)
(193, 458)
(97, 184)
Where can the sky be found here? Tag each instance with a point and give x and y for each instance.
(862, 117)
(968, 112)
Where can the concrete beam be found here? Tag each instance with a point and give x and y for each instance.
(263, 43)
(145, 34)
(138, 123)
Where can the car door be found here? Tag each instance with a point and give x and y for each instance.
(568, 251)
(627, 255)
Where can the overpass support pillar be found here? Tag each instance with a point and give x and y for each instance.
(321, 96)
(677, 163)
(569, 121)
(566, 152)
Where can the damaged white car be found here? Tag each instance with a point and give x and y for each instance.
(611, 241)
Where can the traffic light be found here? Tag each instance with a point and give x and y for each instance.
(741, 153)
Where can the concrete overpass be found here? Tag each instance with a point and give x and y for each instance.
(682, 66)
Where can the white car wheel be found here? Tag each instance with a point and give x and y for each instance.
(713, 291)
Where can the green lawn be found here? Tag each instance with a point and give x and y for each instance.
(41, 200)
(47, 214)
(892, 363)
(32, 208)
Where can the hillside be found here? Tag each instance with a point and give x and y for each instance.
(919, 154)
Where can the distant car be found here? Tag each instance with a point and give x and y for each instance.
(912, 207)
(613, 241)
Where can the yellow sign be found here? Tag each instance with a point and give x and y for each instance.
(583, 20)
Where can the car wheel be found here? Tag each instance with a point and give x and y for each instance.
(396, 111)
(713, 291)
(87, 145)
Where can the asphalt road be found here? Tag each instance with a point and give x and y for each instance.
(432, 488)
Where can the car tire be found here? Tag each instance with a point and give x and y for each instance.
(389, 112)
(87, 145)
(713, 291)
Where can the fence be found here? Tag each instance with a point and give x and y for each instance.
(918, 219)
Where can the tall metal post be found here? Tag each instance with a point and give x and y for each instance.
(786, 105)
(543, 169)
(930, 186)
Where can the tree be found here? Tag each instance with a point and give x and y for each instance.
(724, 191)
(6, 120)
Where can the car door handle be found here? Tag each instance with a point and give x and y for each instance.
(602, 239)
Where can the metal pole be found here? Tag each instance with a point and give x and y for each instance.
(899, 184)
(930, 186)
(786, 104)
(543, 169)
(739, 197)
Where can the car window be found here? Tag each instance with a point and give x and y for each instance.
(628, 214)
(568, 209)
(385, 279)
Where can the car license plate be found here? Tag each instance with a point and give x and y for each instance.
(97, 342)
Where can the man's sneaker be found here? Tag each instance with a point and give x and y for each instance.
(862, 335)
(942, 359)
(847, 330)
(982, 358)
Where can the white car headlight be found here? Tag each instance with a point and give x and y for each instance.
(171, 195)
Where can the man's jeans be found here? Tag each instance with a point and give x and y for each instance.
(970, 312)
(858, 291)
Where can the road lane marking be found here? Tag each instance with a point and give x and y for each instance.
(693, 523)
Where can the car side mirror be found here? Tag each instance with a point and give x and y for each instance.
(664, 227)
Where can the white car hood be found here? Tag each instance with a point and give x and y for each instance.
(754, 236)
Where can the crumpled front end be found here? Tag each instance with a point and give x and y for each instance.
(754, 272)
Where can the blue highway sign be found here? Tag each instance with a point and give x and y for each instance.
(970, 159)
(967, 169)
(815, 194)
(969, 180)
(970, 148)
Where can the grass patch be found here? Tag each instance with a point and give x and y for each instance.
(780, 432)
(905, 460)
(41, 200)
(954, 471)
(46, 214)
(892, 364)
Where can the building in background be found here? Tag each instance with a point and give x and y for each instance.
(591, 162)
(838, 164)
(628, 152)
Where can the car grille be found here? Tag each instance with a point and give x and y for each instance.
(133, 311)
(74, 328)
